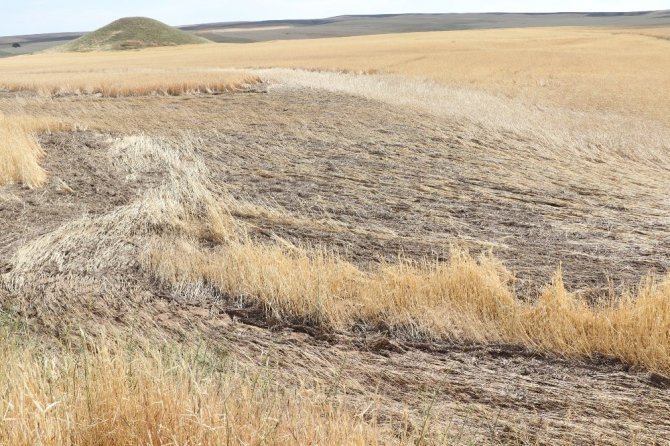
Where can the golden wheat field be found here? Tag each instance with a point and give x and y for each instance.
(431, 238)
(600, 69)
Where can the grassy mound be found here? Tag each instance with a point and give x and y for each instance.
(132, 33)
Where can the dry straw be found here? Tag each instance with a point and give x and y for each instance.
(20, 152)
(118, 394)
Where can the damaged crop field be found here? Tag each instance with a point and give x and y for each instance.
(338, 249)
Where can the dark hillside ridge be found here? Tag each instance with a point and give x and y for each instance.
(356, 25)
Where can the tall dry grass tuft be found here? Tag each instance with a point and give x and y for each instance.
(20, 152)
(464, 299)
(632, 327)
(117, 394)
(187, 235)
(118, 83)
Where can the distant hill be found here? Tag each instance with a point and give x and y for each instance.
(358, 25)
(153, 33)
(132, 33)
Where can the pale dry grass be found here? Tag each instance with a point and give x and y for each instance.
(126, 82)
(174, 207)
(656, 33)
(119, 394)
(594, 69)
(183, 232)
(591, 148)
(20, 152)
(190, 237)
(559, 134)
(600, 178)
(464, 299)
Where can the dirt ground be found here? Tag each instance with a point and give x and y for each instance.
(374, 182)
(399, 182)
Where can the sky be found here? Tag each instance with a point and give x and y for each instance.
(45, 16)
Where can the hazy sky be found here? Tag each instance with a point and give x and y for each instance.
(42, 16)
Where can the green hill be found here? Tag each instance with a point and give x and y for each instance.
(132, 33)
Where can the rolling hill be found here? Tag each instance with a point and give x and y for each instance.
(132, 33)
(342, 26)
